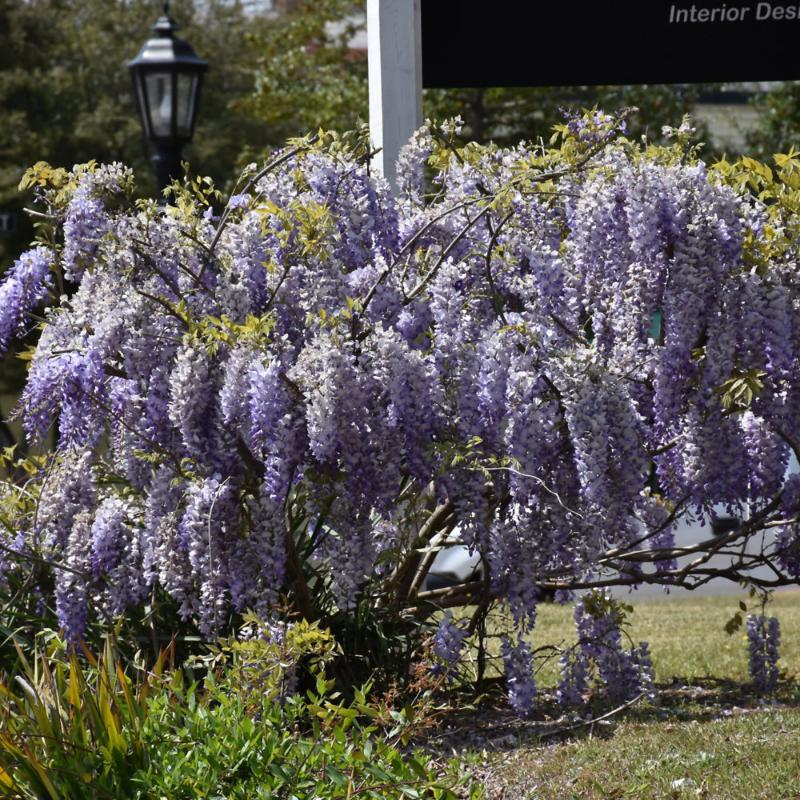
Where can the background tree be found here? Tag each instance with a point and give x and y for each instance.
(309, 74)
(780, 126)
(66, 94)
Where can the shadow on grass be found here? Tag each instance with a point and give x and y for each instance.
(491, 725)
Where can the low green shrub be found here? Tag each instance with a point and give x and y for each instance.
(73, 731)
(308, 747)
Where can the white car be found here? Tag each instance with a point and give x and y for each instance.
(453, 565)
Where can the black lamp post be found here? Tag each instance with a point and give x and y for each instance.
(167, 75)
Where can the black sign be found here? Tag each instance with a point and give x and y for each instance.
(512, 43)
(8, 222)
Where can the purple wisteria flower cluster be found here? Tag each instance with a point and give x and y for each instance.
(623, 673)
(520, 680)
(448, 643)
(763, 638)
(26, 285)
(563, 352)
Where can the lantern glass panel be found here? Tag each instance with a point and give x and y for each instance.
(160, 100)
(187, 92)
(141, 96)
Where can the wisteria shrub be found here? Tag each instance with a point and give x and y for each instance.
(555, 352)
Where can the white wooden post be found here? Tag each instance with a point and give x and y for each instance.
(394, 43)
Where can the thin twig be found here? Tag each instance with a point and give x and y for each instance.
(407, 246)
(539, 481)
(594, 720)
(495, 233)
(162, 302)
(45, 562)
(431, 273)
(276, 162)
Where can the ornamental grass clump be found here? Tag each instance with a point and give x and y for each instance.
(554, 354)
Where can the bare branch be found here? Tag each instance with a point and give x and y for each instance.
(274, 164)
(403, 575)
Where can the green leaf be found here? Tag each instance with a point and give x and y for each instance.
(733, 624)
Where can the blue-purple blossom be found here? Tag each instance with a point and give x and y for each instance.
(787, 549)
(70, 490)
(520, 681)
(115, 555)
(277, 429)
(625, 674)
(257, 567)
(763, 642)
(573, 682)
(191, 398)
(84, 227)
(411, 164)
(73, 581)
(204, 535)
(24, 286)
(448, 642)
(239, 201)
(87, 220)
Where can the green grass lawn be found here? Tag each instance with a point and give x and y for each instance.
(686, 635)
(751, 755)
(708, 735)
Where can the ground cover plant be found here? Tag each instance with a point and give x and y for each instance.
(290, 400)
(72, 730)
(682, 753)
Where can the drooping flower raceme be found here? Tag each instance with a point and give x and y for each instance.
(625, 674)
(520, 681)
(764, 638)
(448, 642)
(26, 285)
